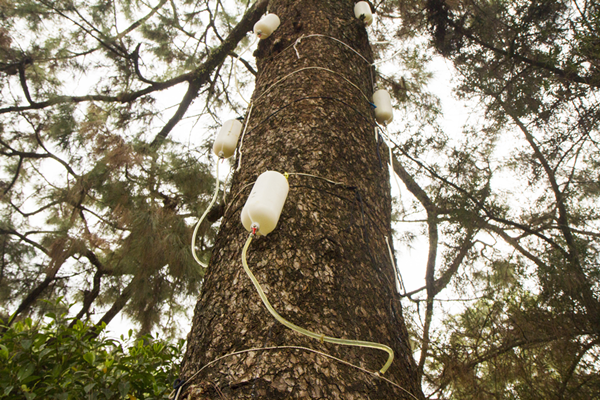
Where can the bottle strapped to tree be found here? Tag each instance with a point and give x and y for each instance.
(266, 26)
(265, 203)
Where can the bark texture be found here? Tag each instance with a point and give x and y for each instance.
(326, 266)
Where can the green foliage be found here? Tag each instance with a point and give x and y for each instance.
(51, 360)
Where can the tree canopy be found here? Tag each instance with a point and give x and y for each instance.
(515, 201)
(107, 109)
(95, 204)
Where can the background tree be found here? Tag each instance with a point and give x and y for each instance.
(525, 252)
(95, 204)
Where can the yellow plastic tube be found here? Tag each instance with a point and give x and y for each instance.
(320, 337)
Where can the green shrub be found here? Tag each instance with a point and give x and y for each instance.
(51, 360)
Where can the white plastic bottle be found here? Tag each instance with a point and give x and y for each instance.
(263, 207)
(266, 26)
(363, 8)
(227, 138)
(384, 113)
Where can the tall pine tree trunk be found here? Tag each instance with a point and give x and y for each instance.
(326, 266)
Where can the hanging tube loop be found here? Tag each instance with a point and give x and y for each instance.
(318, 336)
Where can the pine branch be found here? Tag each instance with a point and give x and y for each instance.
(481, 206)
(90, 296)
(24, 238)
(430, 284)
(119, 304)
(202, 74)
(591, 80)
(513, 242)
(466, 245)
(24, 82)
(139, 22)
(15, 177)
(246, 63)
(59, 255)
(579, 287)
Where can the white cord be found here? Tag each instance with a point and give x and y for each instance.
(214, 198)
(235, 65)
(386, 139)
(387, 59)
(225, 185)
(237, 83)
(242, 139)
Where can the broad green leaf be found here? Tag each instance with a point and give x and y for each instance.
(87, 388)
(8, 389)
(25, 371)
(3, 352)
(124, 388)
(90, 357)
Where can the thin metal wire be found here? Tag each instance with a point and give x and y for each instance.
(236, 196)
(235, 66)
(312, 98)
(318, 177)
(387, 59)
(242, 139)
(397, 274)
(386, 138)
(374, 374)
(309, 68)
(299, 40)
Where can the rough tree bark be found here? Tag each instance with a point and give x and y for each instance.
(326, 266)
